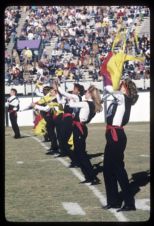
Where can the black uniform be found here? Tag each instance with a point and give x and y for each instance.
(80, 133)
(48, 116)
(67, 128)
(13, 107)
(118, 114)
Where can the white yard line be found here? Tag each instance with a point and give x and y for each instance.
(119, 215)
(73, 208)
(147, 156)
(143, 204)
(19, 162)
(136, 130)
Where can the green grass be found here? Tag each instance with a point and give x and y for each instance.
(35, 190)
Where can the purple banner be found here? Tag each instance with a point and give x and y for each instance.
(31, 44)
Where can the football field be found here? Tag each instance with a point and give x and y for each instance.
(42, 188)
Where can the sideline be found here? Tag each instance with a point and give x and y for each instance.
(120, 216)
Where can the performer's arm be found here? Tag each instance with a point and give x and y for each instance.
(68, 95)
(42, 108)
(29, 107)
(39, 93)
(78, 104)
(116, 95)
(7, 104)
(47, 107)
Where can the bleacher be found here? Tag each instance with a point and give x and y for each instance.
(87, 77)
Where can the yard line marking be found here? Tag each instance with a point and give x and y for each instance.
(102, 157)
(20, 162)
(47, 148)
(73, 208)
(145, 156)
(136, 130)
(141, 204)
(43, 160)
(37, 160)
(120, 216)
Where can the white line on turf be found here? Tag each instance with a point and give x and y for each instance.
(136, 130)
(142, 204)
(147, 156)
(20, 162)
(120, 216)
(73, 208)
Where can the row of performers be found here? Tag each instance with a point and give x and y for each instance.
(70, 120)
(63, 117)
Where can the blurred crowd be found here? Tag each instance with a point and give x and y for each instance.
(12, 16)
(82, 38)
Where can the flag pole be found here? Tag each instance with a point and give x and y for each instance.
(105, 101)
(127, 34)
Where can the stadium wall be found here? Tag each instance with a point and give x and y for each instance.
(140, 111)
(26, 89)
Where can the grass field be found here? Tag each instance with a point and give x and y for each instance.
(38, 186)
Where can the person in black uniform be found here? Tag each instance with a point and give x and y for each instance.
(43, 93)
(48, 113)
(88, 109)
(46, 90)
(114, 171)
(67, 119)
(13, 106)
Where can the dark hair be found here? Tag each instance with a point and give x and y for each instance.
(132, 90)
(46, 89)
(15, 91)
(80, 88)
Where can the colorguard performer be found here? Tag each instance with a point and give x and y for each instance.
(13, 106)
(114, 171)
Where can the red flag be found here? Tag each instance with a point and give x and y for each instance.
(104, 72)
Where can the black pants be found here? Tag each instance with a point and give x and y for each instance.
(114, 169)
(15, 127)
(81, 156)
(58, 124)
(51, 132)
(66, 131)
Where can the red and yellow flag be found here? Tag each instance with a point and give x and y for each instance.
(39, 125)
(112, 67)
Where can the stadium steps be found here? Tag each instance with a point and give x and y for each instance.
(50, 47)
(22, 21)
(144, 27)
(18, 31)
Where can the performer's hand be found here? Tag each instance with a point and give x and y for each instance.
(56, 82)
(55, 85)
(33, 104)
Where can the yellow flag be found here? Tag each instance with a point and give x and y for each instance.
(115, 66)
(116, 40)
(39, 126)
(70, 142)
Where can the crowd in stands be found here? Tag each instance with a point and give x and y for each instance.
(84, 35)
(12, 16)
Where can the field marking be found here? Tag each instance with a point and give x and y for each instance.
(73, 208)
(147, 156)
(141, 204)
(119, 215)
(19, 162)
(136, 130)
(102, 158)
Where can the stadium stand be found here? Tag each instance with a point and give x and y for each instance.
(74, 41)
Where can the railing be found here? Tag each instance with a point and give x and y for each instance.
(28, 89)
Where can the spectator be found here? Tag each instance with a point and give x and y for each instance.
(86, 33)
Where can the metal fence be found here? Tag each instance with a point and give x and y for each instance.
(29, 89)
